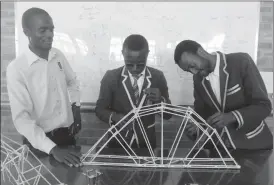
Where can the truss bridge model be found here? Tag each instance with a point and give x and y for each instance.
(22, 167)
(206, 134)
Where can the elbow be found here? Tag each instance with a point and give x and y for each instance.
(269, 108)
(97, 111)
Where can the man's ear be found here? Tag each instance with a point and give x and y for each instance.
(202, 53)
(26, 31)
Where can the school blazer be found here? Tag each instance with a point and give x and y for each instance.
(117, 95)
(243, 93)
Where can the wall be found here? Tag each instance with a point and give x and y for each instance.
(7, 42)
(92, 40)
(92, 127)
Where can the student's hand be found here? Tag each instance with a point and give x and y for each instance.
(67, 155)
(219, 120)
(77, 124)
(153, 94)
(191, 130)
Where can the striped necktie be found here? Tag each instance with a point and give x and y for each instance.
(136, 88)
(137, 96)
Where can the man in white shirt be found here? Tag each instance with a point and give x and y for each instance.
(38, 83)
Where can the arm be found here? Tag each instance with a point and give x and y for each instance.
(164, 93)
(21, 109)
(72, 81)
(102, 109)
(258, 105)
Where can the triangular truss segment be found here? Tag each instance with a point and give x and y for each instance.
(22, 167)
(95, 157)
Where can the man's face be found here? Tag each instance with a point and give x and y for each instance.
(40, 31)
(194, 64)
(135, 61)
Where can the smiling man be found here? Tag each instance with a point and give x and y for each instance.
(229, 93)
(38, 82)
(123, 88)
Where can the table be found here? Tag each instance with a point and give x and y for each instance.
(256, 169)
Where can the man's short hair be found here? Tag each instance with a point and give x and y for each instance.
(28, 14)
(185, 46)
(135, 42)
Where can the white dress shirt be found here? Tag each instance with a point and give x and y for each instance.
(140, 80)
(214, 79)
(38, 93)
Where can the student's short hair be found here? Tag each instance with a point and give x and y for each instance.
(28, 14)
(185, 46)
(135, 42)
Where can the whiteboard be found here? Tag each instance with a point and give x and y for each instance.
(91, 35)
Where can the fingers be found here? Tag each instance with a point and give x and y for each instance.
(152, 91)
(67, 163)
(215, 120)
(147, 91)
(73, 159)
(76, 154)
(191, 128)
(152, 97)
(209, 120)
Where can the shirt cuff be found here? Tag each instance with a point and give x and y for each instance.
(48, 145)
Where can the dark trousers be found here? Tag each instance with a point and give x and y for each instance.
(59, 136)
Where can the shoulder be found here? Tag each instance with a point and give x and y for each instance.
(155, 72)
(113, 74)
(239, 60)
(57, 51)
(18, 65)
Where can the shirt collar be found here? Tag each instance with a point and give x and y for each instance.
(217, 66)
(141, 74)
(32, 57)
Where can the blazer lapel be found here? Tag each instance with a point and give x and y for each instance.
(128, 87)
(224, 76)
(146, 84)
(210, 93)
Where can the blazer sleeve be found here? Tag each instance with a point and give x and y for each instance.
(103, 104)
(164, 92)
(258, 105)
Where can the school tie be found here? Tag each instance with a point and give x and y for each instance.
(136, 88)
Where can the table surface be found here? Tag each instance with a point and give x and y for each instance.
(256, 169)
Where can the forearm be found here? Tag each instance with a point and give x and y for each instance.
(251, 116)
(103, 113)
(34, 134)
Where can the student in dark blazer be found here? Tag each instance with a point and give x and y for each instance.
(229, 94)
(122, 89)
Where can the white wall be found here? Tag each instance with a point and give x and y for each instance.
(91, 35)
